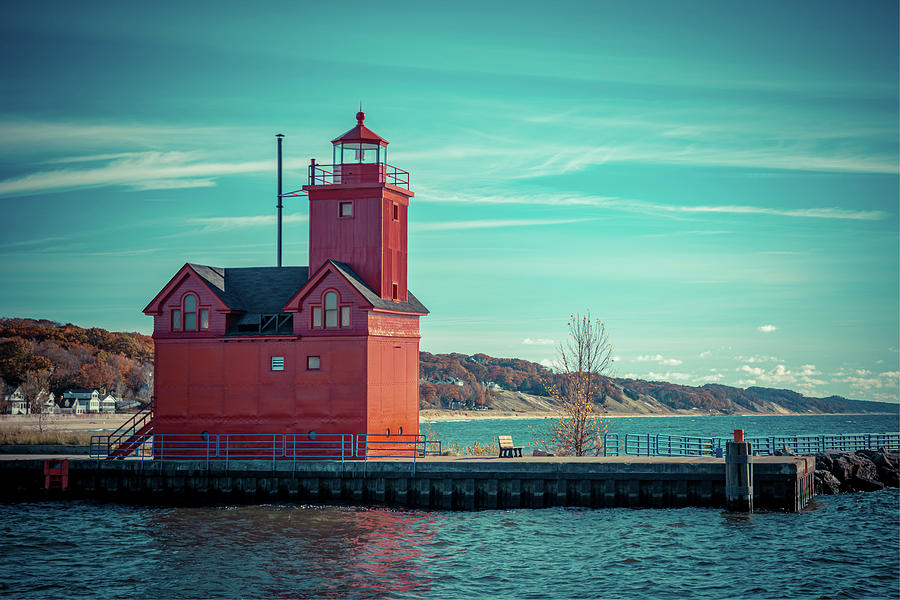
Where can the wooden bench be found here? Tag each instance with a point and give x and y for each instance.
(507, 450)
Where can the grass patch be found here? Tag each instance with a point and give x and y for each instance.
(26, 436)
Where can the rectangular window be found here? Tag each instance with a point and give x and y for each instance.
(176, 319)
(395, 292)
(346, 209)
(345, 316)
(312, 363)
(396, 211)
(278, 363)
(204, 318)
(316, 316)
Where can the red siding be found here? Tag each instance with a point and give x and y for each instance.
(346, 295)
(227, 386)
(370, 241)
(205, 299)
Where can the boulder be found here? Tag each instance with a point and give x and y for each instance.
(862, 484)
(863, 468)
(785, 451)
(824, 462)
(889, 477)
(842, 468)
(881, 457)
(825, 482)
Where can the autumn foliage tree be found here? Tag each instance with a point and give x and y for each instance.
(577, 388)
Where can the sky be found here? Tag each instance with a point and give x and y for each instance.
(716, 181)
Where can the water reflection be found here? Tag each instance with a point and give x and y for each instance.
(301, 550)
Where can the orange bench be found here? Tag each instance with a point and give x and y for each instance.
(507, 450)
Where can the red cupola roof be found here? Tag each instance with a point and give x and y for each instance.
(360, 133)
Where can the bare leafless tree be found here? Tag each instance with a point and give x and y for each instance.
(577, 387)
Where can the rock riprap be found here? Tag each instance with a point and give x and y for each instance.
(860, 471)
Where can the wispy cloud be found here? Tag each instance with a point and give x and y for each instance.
(767, 328)
(492, 223)
(659, 359)
(537, 342)
(630, 205)
(212, 224)
(136, 171)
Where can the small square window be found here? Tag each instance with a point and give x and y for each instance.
(395, 292)
(345, 316)
(316, 316)
(346, 209)
(396, 211)
(313, 363)
(278, 363)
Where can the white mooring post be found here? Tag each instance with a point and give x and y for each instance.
(738, 474)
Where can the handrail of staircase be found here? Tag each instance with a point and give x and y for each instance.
(138, 420)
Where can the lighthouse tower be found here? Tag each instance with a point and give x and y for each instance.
(328, 349)
(358, 210)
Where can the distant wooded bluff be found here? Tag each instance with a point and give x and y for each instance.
(66, 356)
(451, 381)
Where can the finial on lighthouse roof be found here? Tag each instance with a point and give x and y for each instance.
(360, 116)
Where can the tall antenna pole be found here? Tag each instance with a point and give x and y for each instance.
(279, 205)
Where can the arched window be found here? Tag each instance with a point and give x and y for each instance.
(189, 316)
(331, 310)
(190, 312)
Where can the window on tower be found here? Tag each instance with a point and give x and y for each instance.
(396, 211)
(345, 209)
(190, 312)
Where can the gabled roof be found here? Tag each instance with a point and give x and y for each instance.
(360, 133)
(243, 289)
(413, 306)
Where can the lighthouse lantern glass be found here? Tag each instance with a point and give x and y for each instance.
(355, 152)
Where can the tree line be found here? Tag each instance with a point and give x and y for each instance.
(42, 355)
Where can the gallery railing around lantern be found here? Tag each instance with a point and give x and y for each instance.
(355, 173)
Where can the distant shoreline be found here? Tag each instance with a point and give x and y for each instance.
(431, 415)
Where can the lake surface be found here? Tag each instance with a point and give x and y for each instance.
(846, 546)
(525, 431)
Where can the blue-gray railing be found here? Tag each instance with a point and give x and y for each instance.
(345, 446)
(274, 447)
(649, 444)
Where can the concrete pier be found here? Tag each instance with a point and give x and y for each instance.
(782, 483)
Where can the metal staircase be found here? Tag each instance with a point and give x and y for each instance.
(132, 434)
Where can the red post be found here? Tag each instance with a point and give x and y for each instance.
(739, 435)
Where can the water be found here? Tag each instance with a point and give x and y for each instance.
(847, 547)
(525, 431)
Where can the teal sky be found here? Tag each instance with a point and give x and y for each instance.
(718, 181)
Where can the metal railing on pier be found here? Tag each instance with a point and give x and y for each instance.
(649, 444)
(345, 446)
(275, 447)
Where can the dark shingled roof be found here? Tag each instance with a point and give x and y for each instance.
(413, 305)
(254, 289)
(265, 290)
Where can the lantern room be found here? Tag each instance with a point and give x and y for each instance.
(360, 155)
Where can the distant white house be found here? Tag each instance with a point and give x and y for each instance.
(17, 403)
(48, 402)
(80, 401)
(108, 404)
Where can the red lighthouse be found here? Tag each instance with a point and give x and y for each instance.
(331, 348)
